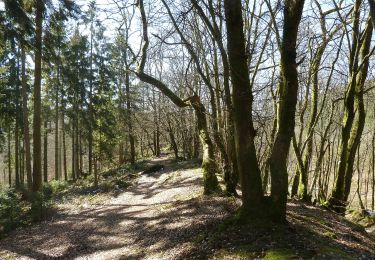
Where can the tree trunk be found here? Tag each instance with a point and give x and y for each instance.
(129, 112)
(16, 149)
(9, 159)
(25, 114)
(57, 161)
(37, 141)
(45, 152)
(91, 118)
(80, 155)
(354, 118)
(230, 187)
(22, 164)
(288, 89)
(211, 184)
(73, 150)
(76, 149)
(359, 122)
(121, 157)
(16, 127)
(64, 147)
(251, 184)
(230, 175)
(172, 138)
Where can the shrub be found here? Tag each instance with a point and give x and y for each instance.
(41, 203)
(10, 210)
(58, 186)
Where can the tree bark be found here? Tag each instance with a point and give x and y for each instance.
(25, 114)
(37, 141)
(129, 117)
(64, 146)
(16, 146)
(251, 184)
(9, 159)
(45, 152)
(354, 118)
(210, 182)
(288, 88)
(57, 148)
(172, 138)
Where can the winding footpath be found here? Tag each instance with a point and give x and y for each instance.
(157, 218)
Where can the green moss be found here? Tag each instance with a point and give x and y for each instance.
(334, 251)
(361, 219)
(274, 254)
(329, 234)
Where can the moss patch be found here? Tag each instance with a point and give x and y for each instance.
(334, 252)
(279, 254)
(329, 234)
(360, 218)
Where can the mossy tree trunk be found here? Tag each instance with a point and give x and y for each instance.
(354, 117)
(288, 88)
(251, 184)
(209, 167)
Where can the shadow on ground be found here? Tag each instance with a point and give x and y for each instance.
(164, 216)
(155, 216)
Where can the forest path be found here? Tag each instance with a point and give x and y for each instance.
(156, 218)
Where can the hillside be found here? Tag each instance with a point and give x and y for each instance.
(163, 216)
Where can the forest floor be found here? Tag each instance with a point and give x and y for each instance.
(163, 215)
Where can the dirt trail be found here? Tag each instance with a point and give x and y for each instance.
(164, 216)
(156, 218)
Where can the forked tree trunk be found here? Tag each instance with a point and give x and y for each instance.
(251, 184)
(288, 89)
(354, 118)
